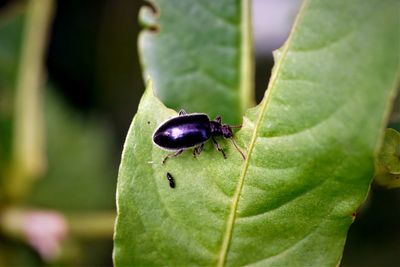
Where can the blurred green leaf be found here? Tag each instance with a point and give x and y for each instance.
(11, 24)
(390, 152)
(199, 55)
(80, 174)
(310, 154)
(12, 20)
(388, 163)
(15, 253)
(84, 143)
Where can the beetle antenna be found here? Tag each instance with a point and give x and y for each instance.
(235, 126)
(238, 149)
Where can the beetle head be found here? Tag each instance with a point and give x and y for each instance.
(226, 131)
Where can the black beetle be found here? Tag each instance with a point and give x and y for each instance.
(191, 130)
(170, 180)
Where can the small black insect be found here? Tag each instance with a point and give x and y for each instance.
(170, 180)
(191, 131)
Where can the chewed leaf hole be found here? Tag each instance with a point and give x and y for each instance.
(148, 16)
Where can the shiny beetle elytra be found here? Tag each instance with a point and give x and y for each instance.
(191, 131)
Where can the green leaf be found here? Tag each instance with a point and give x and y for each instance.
(310, 148)
(388, 164)
(199, 55)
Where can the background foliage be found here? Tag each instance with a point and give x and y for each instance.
(95, 84)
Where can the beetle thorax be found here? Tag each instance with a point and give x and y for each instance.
(215, 128)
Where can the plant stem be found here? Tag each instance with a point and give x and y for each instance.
(91, 225)
(82, 225)
(28, 159)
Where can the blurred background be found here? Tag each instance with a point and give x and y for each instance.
(57, 196)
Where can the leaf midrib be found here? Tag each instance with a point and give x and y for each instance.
(235, 200)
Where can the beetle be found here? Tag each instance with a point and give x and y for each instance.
(170, 180)
(192, 131)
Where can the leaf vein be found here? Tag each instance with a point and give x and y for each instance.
(297, 242)
(232, 215)
(287, 201)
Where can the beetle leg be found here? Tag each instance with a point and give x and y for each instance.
(182, 112)
(200, 148)
(218, 147)
(197, 150)
(172, 156)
